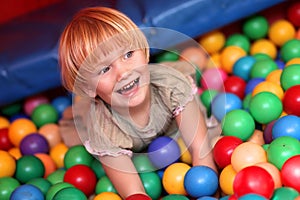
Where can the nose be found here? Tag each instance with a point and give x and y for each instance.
(122, 69)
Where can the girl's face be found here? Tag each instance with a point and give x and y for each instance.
(125, 81)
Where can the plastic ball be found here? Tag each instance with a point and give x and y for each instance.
(239, 40)
(264, 46)
(152, 184)
(29, 167)
(7, 186)
(174, 197)
(58, 153)
(253, 179)
(223, 149)
(290, 76)
(288, 125)
(27, 192)
(251, 84)
(12, 109)
(186, 156)
(265, 107)
(267, 86)
(163, 151)
(290, 173)
(213, 41)
(104, 185)
(280, 63)
(77, 155)
(142, 163)
(224, 103)
(60, 103)
(257, 137)
(256, 27)
(51, 133)
(7, 164)
(82, 177)
(56, 176)
(262, 56)
(5, 143)
(70, 193)
(268, 138)
(238, 123)
(167, 56)
(274, 172)
(201, 181)
(290, 50)
(252, 197)
(15, 152)
(243, 66)
(34, 143)
(293, 61)
(48, 163)
(281, 149)
(226, 179)
(287, 193)
(207, 96)
(32, 102)
(98, 168)
(55, 188)
(281, 31)
(246, 101)
(213, 78)
(173, 178)
(44, 114)
(274, 76)
(262, 68)
(195, 55)
(19, 129)
(291, 100)
(41, 183)
(4, 122)
(107, 196)
(236, 85)
(293, 14)
(229, 56)
(247, 154)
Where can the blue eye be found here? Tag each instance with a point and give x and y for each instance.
(105, 69)
(128, 54)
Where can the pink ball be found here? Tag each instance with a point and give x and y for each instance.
(213, 78)
(32, 102)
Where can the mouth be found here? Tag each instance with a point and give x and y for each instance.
(129, 87)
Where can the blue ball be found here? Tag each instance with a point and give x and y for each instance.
(163, 151)
(200, 181)
(61, 103)
(251, 84)
(280, 63)
(242, 67)
(207, 198)
(252, 197)
(288, 125)
(223, 103)
(27, 192)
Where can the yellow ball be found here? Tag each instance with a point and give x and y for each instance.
(173, 178)
(274, 76)
(7, 164)
(226, 179)
(185, 154)
(57, 153)
(293, 61)
(15, 152)
(264, 46)
(267, 86)
(281, 31)
(213, 41)
(214, 60)
(4, 123)
(229, 56)
(107, 196)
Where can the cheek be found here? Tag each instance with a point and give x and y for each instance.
(105, 88)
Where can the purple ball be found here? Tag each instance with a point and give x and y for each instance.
(34, 143)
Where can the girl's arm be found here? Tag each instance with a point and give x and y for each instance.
(194, 133)
(123, 175)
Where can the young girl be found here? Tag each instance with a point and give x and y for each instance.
(125, 102)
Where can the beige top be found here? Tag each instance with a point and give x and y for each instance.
(108, 133)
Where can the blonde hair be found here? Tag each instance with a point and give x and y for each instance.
(82, 36)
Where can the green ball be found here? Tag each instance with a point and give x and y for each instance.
(56, 176)
(281, 149)
(167, 56)
(142, 163)
(77, 155)
(70, 193)
(262, 68)
(54, 189)
(238, 123)
(41, 183)
(29, 167)
(104, 185)
(256, 27)
(12, 109)
(290, 76)
(246, 101)
(265, 107)
(239, 40)
(290, 50)
(207, 96)
(286, 193)
(175, 197)
(97, 168)
(44, 114)
(262, 56)
(152, 184)
(7, 186)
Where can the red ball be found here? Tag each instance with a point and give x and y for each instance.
(290, 173)
(223, 150)
(235, 85)
(291, 100)
(82, 177)
(293, 14)
(253, 179)
(5, 143)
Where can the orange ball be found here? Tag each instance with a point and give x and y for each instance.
(48, 163)
(274, 76)
(214, 60)
(7, 164)
(267, 86)
(51, 133)
(264, 46)
(4, 123)
(273, 171)
(107, 196)
(281, 31)
(185, 154)
(20, 128)
(257, 137)
(15, 152)
(58, 153)
(173, 178)
(213, 41)
(293, 61)
(195, 55)
(229, 56)
(226, 179)
(247, 154)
